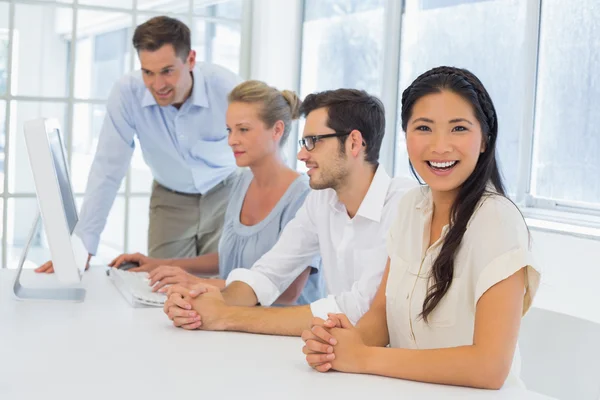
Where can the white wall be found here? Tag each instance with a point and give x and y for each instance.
(570, 274)
(570, 265)
(275, 52)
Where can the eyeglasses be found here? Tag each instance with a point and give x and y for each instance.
(308, 142)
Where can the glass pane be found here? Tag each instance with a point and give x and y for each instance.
(180, 6)
(109, 3)
(231, 9)
(139, 173)
(113, 236)
(3, 47)
(137, 226)
(487, 38)
(2, 143)
(217, 43)
(566, 162)
(341, 45)
(41, 50)
(87, 122)
(102, 54)
(20, 215)
(20, 179)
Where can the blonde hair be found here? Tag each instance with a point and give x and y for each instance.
(276, 105)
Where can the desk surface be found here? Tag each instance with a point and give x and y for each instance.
(103, 348)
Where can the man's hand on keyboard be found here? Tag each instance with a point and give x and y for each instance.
(205, 300)
(170, 275)
(146, 264)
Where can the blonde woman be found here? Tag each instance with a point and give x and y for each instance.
(264, 199)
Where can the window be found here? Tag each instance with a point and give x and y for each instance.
(544, 83)
(566, 161)
(486, 38)
(538, 59)
(342, 44)
(70, 78)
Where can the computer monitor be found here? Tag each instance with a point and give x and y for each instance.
(48, 161)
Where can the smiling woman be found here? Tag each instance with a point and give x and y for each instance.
(459, 274)
(442, 144)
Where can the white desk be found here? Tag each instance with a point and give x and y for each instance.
(104, 349)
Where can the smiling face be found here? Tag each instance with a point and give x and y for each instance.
(444, 140)
(249, 138)
(327, 164)
(166, 75)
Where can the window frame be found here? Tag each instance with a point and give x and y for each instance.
(572, 218)
(70, 100)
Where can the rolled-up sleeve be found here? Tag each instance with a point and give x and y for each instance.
(275, 271)
(357, 301)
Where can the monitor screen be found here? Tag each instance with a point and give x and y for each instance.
(62, 174)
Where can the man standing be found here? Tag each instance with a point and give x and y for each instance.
(176, 108)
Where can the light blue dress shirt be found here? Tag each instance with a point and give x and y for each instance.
(186, 148)
(241, 246)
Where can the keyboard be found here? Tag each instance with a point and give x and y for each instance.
(134, 286)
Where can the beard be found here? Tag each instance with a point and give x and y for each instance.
(331, 177)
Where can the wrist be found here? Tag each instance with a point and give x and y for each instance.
(228, 318)
(366, 360)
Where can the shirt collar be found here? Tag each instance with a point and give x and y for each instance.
(372, 204)
(199, 96)
(426, 202)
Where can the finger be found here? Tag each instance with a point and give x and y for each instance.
(343, 320)
(308, 335)
(201, 288)
(181, 312)
(180, 321)
(178, 289)
(316, 358)
(314, 346)
(118, 261)
(44, 267)
(170, 303)
(162, 273)
(167, 281)
(141, 268)
(323, 335)
(161, 269)
(317, 321)
(180, 302)
(323, 367)
(192, 326)
(49, 269)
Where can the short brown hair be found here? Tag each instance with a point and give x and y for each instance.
(275, 105)
(349, 109)
(158, 31)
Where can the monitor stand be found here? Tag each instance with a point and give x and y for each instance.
(53, 294)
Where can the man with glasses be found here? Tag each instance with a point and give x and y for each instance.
(345, 219)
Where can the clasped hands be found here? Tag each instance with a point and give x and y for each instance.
(197, 306)
(334, 344)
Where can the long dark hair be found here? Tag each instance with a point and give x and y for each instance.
(470, 88)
